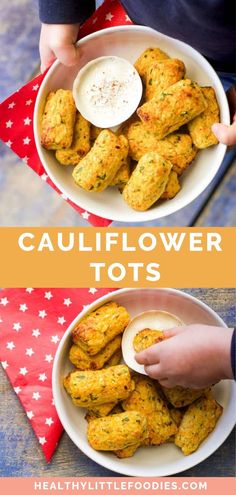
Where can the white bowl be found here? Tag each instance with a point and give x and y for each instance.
(129, 42)
(162, 460)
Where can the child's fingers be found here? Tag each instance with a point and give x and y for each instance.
(67, 54)
(225, 134)
(166, 382)
(149, 356)
(154, 371)
(171, 332)
(47, 57)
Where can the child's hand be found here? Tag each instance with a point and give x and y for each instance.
(226, 134)
(58, 41)
(194, 356)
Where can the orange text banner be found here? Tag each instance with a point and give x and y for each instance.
(114, 257)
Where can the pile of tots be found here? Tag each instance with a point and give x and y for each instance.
(126, 410)
(147, 155)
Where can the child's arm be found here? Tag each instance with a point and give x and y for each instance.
(60, 26)
(194, 356)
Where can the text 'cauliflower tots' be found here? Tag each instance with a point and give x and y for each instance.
(98, 168)
(80, 144)
(92, 388)
(147, 182)
(58, 120)
(147, 58)
(118, 431)
(173, 108)
(200, 127)
(198, 422)
(163, 74)
(98, 328)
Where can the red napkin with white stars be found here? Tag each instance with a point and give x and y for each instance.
(32, 323)
(16, 112)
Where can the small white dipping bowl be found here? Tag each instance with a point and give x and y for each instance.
(107, 89)
(163, 460)
(129, 42)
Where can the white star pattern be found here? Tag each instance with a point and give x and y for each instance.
(26, 311)
(48, 358)
(36, 333)
(42, 313)
(25, 159)
(109, 16)
(49, 421)
(28, 102)
(67, 302)
(55, 339)
(23, 308)
(4, 364)
(42, 440)
(10, 346)
(48, 295)
(44, 177)
(9, 124)
(92, 290)
(9, 143)
(29, 352)
(17, 390)
(27, 121)
(53, 402)
(85, 306)
(35, 87)
(42, 377)
(11, 105)
(36, 396)
(26, 140)
(61, 320)
(127, 18)
(85, 215)
(4, 301)
(23, 371)
(30, 414)
(17, 327)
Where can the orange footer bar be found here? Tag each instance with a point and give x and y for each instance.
(116, 486)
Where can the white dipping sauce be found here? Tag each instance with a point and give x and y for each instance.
(107, 91)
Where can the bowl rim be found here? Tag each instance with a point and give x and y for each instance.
(152, 213)
(106, 461)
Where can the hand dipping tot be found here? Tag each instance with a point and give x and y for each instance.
(150, 320)
(107, 91)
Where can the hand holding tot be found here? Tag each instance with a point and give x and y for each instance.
(194, 356)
